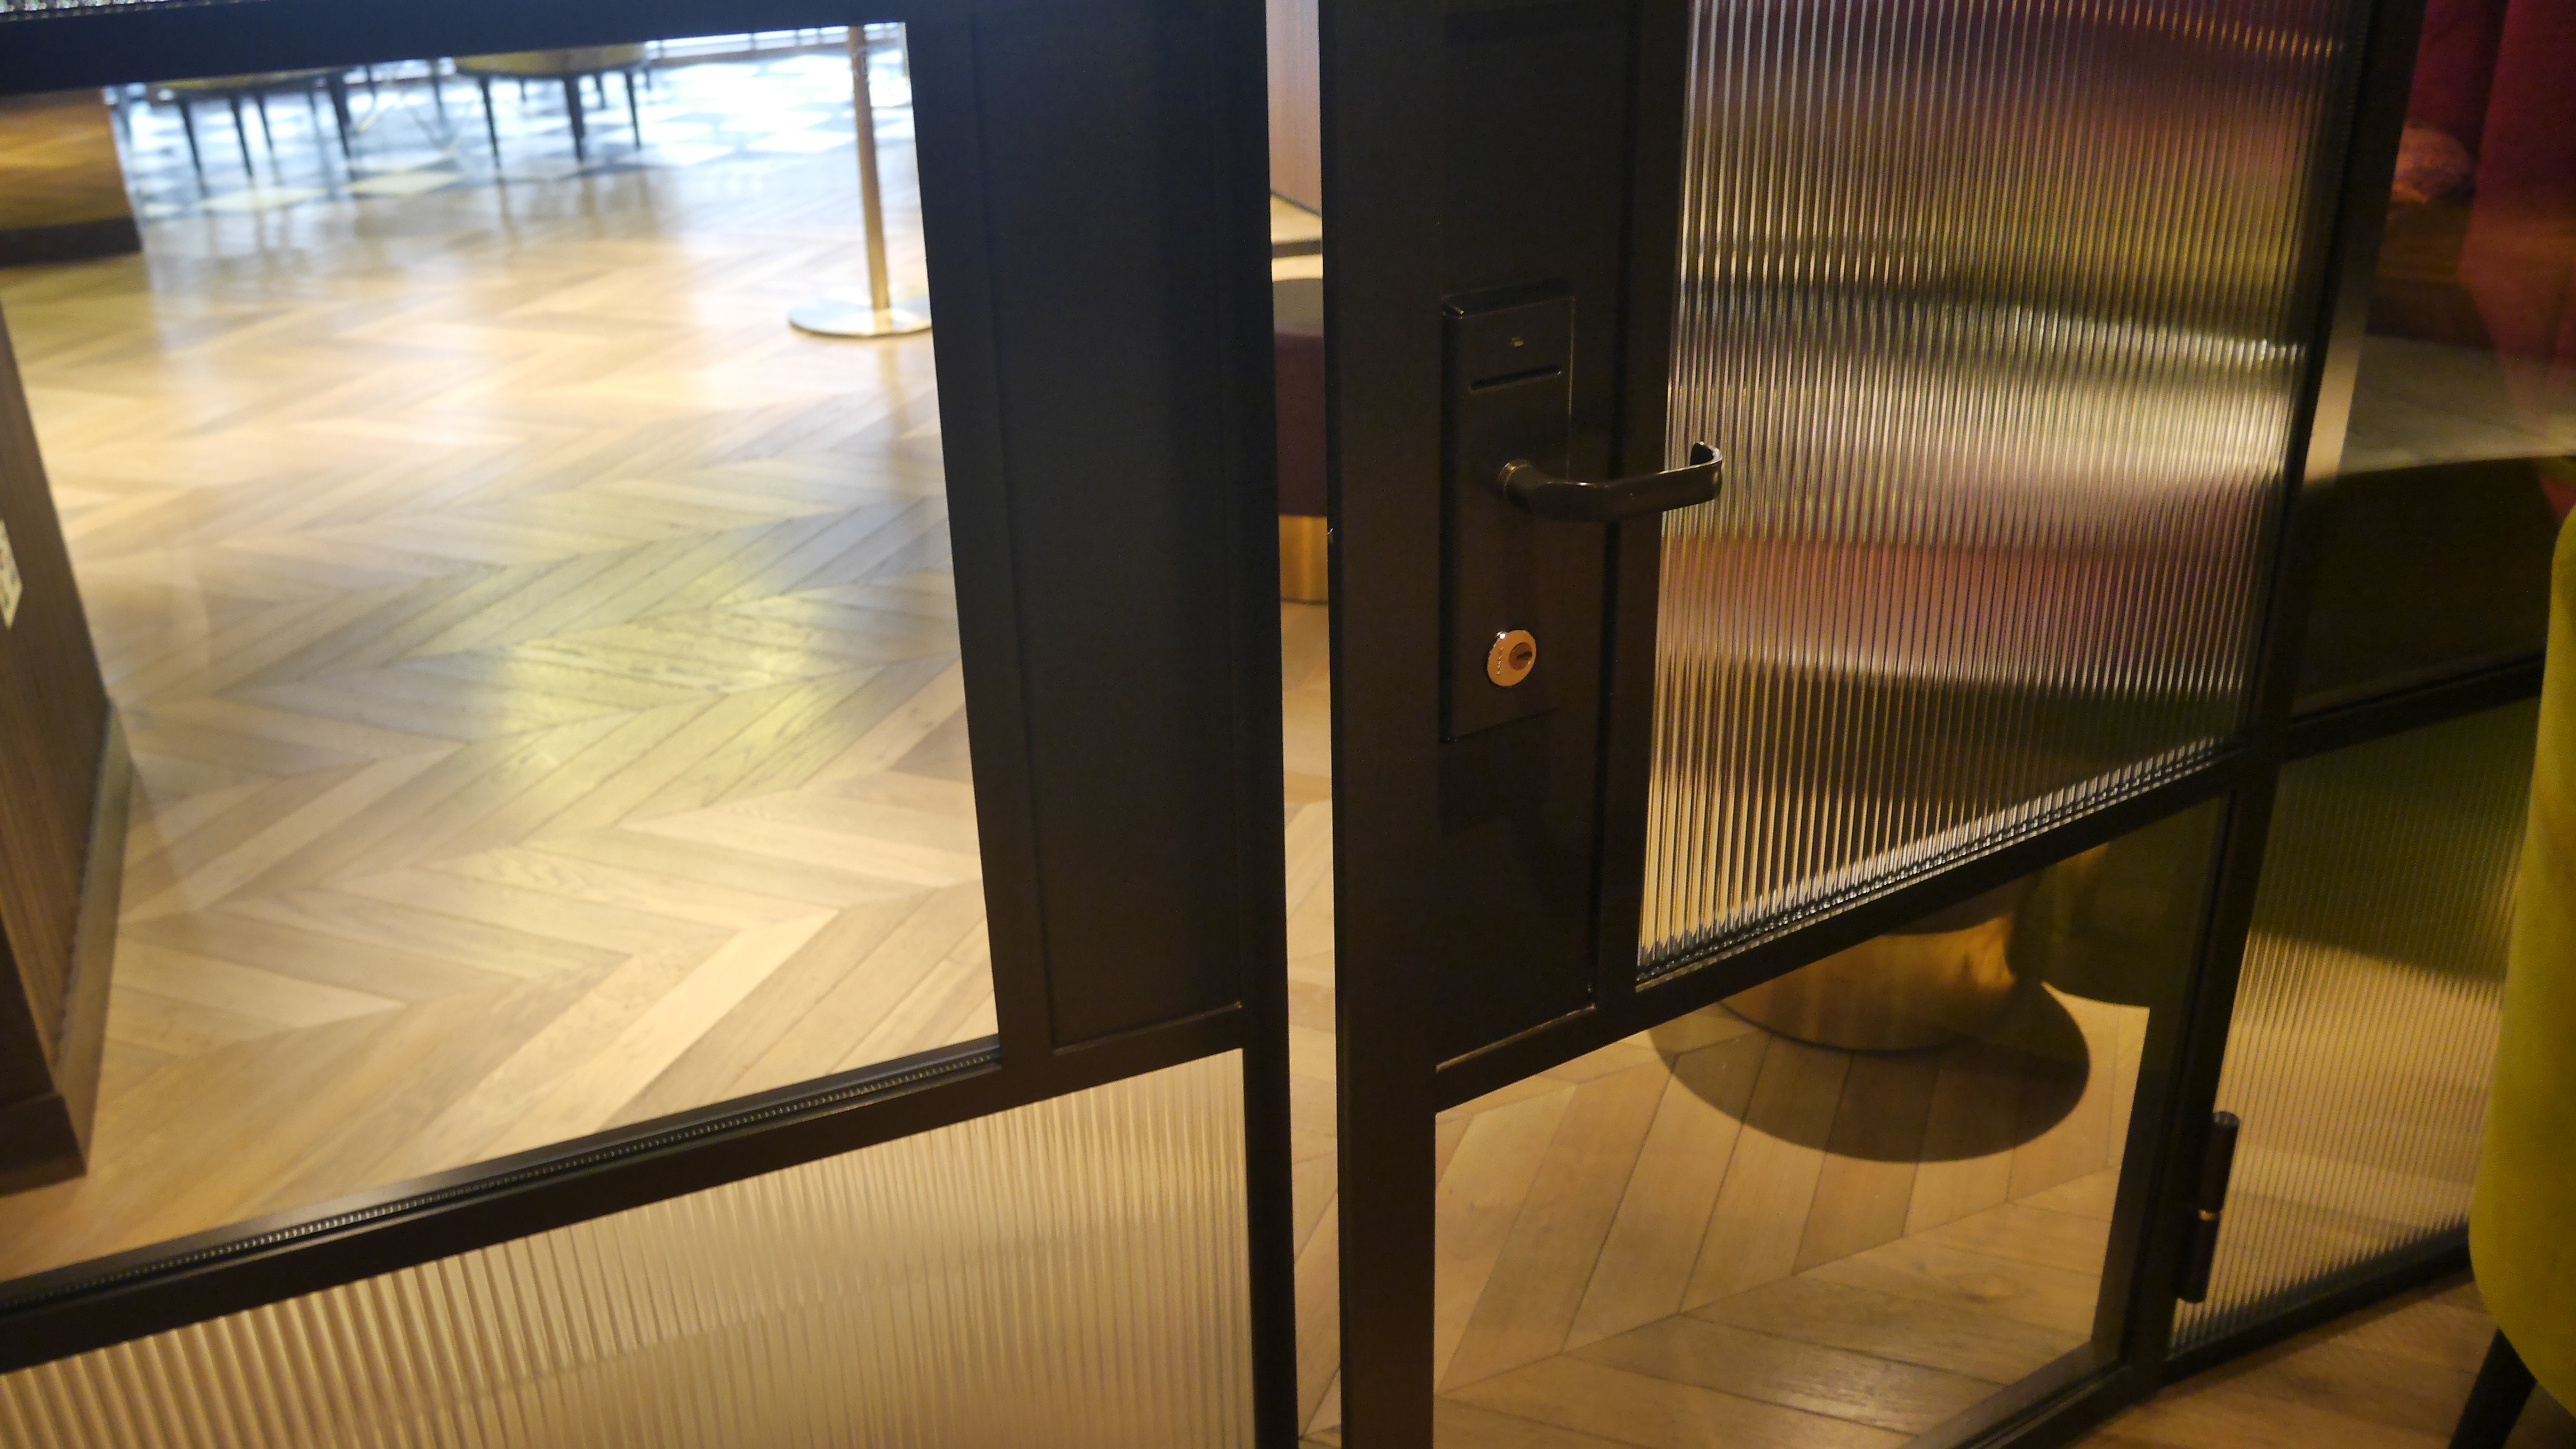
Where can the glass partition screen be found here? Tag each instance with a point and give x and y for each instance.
(1990, 309)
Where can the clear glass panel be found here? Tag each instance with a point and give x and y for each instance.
(2366, 1018)
(1989, 307)
(2461, 456)
(540, 659)
(1314, 1131)
(1068, 1273)
(1849, 1207)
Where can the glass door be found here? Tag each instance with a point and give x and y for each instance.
(1776, 930)
(704, 868)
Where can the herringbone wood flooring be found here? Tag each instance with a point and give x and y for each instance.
(541, 669)
(1709, 1235)
(2392, 1376)
(1718, 1236)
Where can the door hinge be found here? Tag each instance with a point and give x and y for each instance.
(2209, 1204)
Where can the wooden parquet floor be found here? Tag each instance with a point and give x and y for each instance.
(541, 668)
(2392, 1376)
(1711, 1236)
(1719, 1236)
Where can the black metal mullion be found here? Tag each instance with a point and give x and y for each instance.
(1381, 69)
(1666, 997)
(1269, 1146)
(2396, 712)
(948, 142)
(1660, 67)
(285, 1255)
(2347, 205)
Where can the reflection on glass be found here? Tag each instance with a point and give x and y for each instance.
(1991, 308)
(2461, 456)
(1851, 1207)
(2365, 1025)
(1069, 1273)
(540, 660)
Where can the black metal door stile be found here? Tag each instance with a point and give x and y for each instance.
(1470, 148)
(1488, 885)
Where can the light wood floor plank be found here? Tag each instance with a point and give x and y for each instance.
(1646, 1261)
(1867, 1184)
(1656, 1413)
(1465, 1426)
(723, 1062)
(1857, 1387)
(1538, 1280)
(1933, 1334)
(1965, 1169)
(591, 1095)
(1936, 1272)
(1479, 1198)
(1761, 1213)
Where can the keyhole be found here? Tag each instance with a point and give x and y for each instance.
(1513, 655)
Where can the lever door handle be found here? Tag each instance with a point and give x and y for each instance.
(1567, 501)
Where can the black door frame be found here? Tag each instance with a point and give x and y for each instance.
(1375, 59)
(1094, 198)
(1395, 145)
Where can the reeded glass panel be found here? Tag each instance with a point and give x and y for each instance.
(2461, 456)
(2366, 1016)
(1852, 1206)
(1989, 307)
(539, 651)
(1068, 1273)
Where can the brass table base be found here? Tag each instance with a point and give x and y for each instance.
(1903, 991)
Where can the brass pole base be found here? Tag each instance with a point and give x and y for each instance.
(1305, 574)
(848, 314)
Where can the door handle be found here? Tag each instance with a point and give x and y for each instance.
(1566, 501)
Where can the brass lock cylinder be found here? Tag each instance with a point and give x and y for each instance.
(1513, 656)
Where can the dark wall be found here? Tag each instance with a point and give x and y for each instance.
(53, 722)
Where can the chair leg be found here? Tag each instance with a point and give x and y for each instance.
(267, 137)
(491, 127)
(188, 123)
(338, 87)
(437, 91)
(241, 133)
(2495, 1400)
(634, 117)
(572, 108)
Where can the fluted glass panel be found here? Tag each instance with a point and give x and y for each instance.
(1990, 307)
(2366, 1016)
(1067, 1273)
(1848, 1207)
